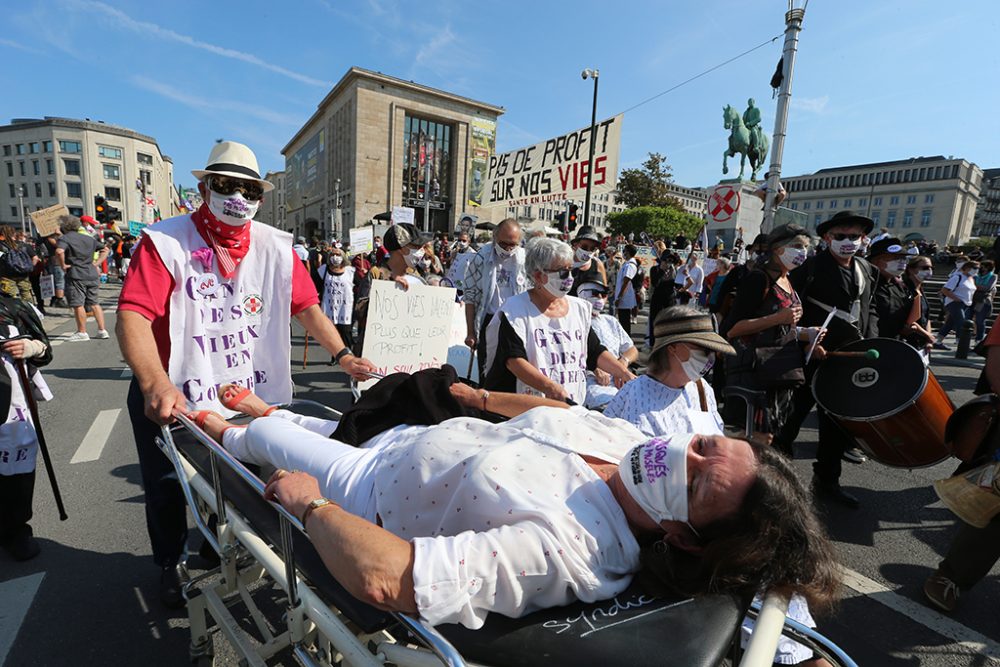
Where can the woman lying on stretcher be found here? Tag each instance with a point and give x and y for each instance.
(464, 517)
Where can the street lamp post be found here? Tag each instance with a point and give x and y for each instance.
(428, 151)
(20, 205)
(590, 74)
(336, 210)
(793, 25)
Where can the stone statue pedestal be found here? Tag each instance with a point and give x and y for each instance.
(732, 207)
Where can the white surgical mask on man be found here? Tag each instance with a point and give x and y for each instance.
(895, 267)
(234, 210)
(655, 474)
(336, 260)
(844, 248)
(503, 253)
(792, 257)
(557, 286)
(413, 257)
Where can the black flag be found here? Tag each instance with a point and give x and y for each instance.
(778, 77)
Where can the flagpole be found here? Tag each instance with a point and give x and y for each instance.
(793, 25)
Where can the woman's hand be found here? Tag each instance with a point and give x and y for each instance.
(555, 391)
(622, 378)
(602, 378)
(819, 352)
(466, 395)
(788, 316)
(292, 490)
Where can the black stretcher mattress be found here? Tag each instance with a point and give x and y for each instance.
(632, 629)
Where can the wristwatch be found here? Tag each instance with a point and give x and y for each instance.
(343, 353)
(311, 507)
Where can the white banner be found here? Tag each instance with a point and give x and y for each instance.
(557, 169)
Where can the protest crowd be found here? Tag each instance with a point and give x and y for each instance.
(694, 350)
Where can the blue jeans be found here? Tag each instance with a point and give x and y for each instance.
(957, 312)
(982, 315)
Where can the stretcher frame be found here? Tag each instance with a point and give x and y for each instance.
(317, 633)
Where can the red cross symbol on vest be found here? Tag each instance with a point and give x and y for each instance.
(253, 304)
(723, 203)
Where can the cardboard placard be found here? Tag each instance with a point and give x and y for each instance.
(646, 256)
(46, 220)
(408, 330)
(362, 240)
(459, 265)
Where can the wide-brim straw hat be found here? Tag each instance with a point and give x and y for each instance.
(695, 329)
(972, 503)
(229, 158)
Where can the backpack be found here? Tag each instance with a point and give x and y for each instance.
(16, 263)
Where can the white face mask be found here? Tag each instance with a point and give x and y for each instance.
(655, 474)
(924, 275)
(792, 257)
(597, 303)
(463, 244)
(698, 364)
(503, 253)
(583, 256)
(413, 257)
(557, 286)
(234, 210)
(337, 260)
(845, 248)
(973, 273)
(895, 267)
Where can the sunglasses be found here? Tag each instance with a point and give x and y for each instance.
(563, 273)
(228, 186)
(841, 236)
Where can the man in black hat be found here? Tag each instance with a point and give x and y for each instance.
(896, 302)
(587, 268)
(835, 280)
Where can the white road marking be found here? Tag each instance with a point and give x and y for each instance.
(16, 597)
(922, 614)
(93, 443)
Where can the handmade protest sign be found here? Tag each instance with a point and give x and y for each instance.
(459, 265)
(362, 240)
(47, 219)
(407, 330)
(402, 214)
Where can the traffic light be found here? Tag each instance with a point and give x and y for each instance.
(572, 217)
(100, 209)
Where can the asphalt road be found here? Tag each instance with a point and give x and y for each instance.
(90, 598)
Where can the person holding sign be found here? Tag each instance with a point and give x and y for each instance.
(494, 274)
(208, 300)
(541, 341)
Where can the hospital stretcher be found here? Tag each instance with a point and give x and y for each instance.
(265, 555)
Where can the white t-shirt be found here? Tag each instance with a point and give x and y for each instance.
(507, 283)
(963, 285)
(697, 276)
(338, 294)
(657, 410)
(629, 270)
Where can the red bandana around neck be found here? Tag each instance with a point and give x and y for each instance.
(231, 244)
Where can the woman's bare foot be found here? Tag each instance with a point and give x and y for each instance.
(251, 404)
(214, 425)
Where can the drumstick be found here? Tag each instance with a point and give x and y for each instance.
(867, 354)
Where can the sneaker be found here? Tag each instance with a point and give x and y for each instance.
(942, 591)
(78, 336)
(941, 346)
(102, 335)
(854, 455)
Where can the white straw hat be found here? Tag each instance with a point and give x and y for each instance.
(229, 158)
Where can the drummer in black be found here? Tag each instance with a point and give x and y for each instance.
(835, 278)
(587, 268)
(896, 300)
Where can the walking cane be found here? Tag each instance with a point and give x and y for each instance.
(29, 395)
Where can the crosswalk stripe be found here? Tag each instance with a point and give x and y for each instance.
(16, 597)
(93, 443)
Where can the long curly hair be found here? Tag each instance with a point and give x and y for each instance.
(775, 543)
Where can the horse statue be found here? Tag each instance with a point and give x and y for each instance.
(751, 143)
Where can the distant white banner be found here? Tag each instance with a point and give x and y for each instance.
(557, 169)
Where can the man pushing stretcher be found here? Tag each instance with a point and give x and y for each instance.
(455, 517)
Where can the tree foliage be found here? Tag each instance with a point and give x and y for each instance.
(648, 185)
(660, 222)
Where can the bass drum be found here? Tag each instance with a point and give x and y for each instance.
(892, 406)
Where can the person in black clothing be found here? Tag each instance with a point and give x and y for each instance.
(587, 268)
(833, 278)
(896, 301)
(664, 295)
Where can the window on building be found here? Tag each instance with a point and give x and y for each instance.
(894, 200)
(862, 202)
(937, 172)
(147, 177)
(75, 210)
(33, 147)
(6, 150)
(848, 202)
(925, 218)
(52, 188)
(819, 205)
(36, 168)
(72, 167)
(923, 172)
(70, 147)
(876, 201)
(10, 169)
(911, 199)
(806, 206)
(890, 219)
(108, 151)
(818, 218)
(73, 190)
(24, 189)
(46, 146)
(875, 217)
(833, 203)
(794, 206)
(419, 136)
(112, 172)
(928, 199)
(20, 166)
(20, 149)
(142, 158)
(907, 218)
(50, 166)
(38, 190)
(13, 211)
(114, 194)
(13, 192)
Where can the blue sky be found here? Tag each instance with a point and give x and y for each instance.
(873, 80)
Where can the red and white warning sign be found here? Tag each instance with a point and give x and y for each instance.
(724, 203)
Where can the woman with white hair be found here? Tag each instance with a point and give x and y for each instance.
(541, 341)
